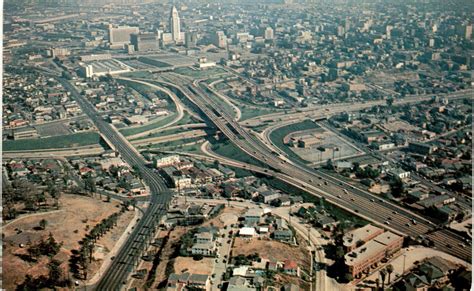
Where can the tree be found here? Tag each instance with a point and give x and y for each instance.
(348, 277)
(390, 101)
(397, 187)
(55, 272)
(43, 223)
(89, 184)
(389, 271)
(383, 273)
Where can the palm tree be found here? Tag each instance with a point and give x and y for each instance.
(383, 273)
(377, 283)
(389, 271)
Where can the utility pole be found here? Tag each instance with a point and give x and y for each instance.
(289, 216)
(404, 257)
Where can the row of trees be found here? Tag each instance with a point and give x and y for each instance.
(81, 258)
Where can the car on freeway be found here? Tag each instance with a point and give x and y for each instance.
(394, 212)
(413, 221)
(372, 200)
(387, 222)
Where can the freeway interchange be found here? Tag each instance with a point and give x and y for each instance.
(320, 184)
(337, 192)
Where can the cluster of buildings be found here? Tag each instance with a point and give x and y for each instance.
(435, 272)
(259, 222)
(110, 174)
(182, 173)
(33, 99)
(125, 106)
(367, 246)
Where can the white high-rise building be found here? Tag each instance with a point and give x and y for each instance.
(121, 35)
(175, 25)
(220, 39)
(269, 33)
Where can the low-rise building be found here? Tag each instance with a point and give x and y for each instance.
(360, 236)
(205, 249)
(368, 255)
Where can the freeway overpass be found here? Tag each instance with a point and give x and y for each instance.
(337, 192)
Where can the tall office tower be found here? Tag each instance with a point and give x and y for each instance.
(388, 31)
(468, 32)
(174, 25)
(347, 25)
(269, 33)
(190, 39)
(220, 40)
(121, 35)
(340, 30)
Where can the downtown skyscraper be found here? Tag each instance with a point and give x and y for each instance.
(175, 25)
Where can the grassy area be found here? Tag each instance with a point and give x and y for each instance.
(228, 149)
(172, 145)
(187, 119)
(222, 86)
(251, 112)
(229, 109)
(157, 123)
(162, 133)
(138, 74)
(154, 62)
(62, 141)
(277, 136)
(201, 74)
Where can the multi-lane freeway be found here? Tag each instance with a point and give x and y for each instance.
(335, 191)
(129, 255)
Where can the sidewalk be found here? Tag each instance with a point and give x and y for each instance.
(107, 260)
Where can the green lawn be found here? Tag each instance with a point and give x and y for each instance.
(229, 150)
(229, 109)
(187, 119)
(201, 74)
(277, 136)
(153, 62)
(176, 145)
(62, 141)
(138, 74)
(250, 112)
(157, 123)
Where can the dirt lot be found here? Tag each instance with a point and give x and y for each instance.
(227, 216)
(272, 250)
(187, 264)
(77, 212)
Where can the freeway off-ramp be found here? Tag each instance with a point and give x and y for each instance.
(357, 201)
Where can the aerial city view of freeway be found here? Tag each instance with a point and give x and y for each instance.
(237, 145)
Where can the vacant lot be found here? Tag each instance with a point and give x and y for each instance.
(188, 264)
(67, 225)
(271, 250)
(53, 129)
